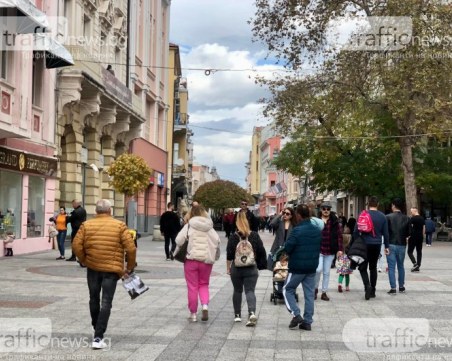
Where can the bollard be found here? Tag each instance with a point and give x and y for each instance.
(156, 235)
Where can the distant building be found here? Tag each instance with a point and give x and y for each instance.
(202, 174)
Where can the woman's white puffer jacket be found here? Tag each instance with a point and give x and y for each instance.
(203, 240)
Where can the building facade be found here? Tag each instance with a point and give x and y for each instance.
(28, 163)
(202, 174)
(113, 101)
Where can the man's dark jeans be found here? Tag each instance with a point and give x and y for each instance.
(73, 234)
(373, 252)
(170, 238)
(412, 244)
(100, 313)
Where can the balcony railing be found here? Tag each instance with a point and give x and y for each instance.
(181, 119)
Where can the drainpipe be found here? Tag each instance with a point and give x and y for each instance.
(128, 44)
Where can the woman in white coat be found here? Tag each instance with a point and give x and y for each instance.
(202, 252)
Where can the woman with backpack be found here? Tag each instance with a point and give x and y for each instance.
(245, 255)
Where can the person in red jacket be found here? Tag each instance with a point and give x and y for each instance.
(228, 222)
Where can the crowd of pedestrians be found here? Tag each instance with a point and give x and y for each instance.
(305, 247)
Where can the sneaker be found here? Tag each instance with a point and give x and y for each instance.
(72, 259)
(237, 318)
(252, 320)
(324, 297)
(372, 293)
(339, 288)
(98, 344)
(380, 270)
(415, 268)
(296, 321)
(58, 258)
(192, 317)
(347, 289)
(205, 313)
(305, 326)
(168, 259)
(315, 293)
(171, 256)
(392, 292)
(401, 289)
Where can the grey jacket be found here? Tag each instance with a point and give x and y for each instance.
(278, 224)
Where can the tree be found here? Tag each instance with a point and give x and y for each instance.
(129, 174)
(412, 85)
(221, 194)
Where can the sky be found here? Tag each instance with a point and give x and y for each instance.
(223, 106)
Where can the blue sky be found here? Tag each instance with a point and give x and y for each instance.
(215, 35)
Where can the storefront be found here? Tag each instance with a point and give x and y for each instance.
(27, 193)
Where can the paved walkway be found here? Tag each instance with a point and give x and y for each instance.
(155, 326)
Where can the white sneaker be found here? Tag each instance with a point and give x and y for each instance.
(237, 318)
(252, 320)
(379, 270)
(192, 317)
(98, 344)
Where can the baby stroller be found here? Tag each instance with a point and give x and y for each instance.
(280, 271)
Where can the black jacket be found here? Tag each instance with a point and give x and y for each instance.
(399, 228)
(76, 218)
(357, 251)
(170, 223)
(260, 254)
(252, 220)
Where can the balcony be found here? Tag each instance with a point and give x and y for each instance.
(179, 171)
(181, 121)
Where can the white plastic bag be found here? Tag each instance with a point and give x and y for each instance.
(134, 285)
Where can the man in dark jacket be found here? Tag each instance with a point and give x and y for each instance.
(252, 219)
(170, 227)
(76, 218)
(373, 242)
(303, 248)
(417, 231)
(399, 228)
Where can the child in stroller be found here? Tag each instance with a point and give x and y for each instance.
(280, 272)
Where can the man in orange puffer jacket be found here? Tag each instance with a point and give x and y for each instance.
(100, 245)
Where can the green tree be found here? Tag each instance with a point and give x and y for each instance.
(129, 174)
(221, 194)
(411, 86)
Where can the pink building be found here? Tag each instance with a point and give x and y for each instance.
(28, 168)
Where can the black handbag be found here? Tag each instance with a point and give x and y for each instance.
(181, 254)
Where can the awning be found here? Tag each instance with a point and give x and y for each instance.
(26, 18)
(56, 54)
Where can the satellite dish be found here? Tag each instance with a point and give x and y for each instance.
(180, 161)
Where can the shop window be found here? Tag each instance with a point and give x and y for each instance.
(10, 202)
(38, 72)
(35, 215)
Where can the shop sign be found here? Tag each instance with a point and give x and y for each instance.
(27, 163)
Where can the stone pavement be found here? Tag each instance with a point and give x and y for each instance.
(154, 326)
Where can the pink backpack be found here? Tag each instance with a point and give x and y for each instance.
(365, 223)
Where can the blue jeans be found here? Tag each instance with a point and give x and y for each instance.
(61, 238)
(100, 312)
(428, 237)
(308, 283)
(396, 257)
(324, 267)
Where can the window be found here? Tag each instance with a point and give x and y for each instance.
(38, 72)
(86, 28)
(4, 64)
(10, 202)
(35, 215)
